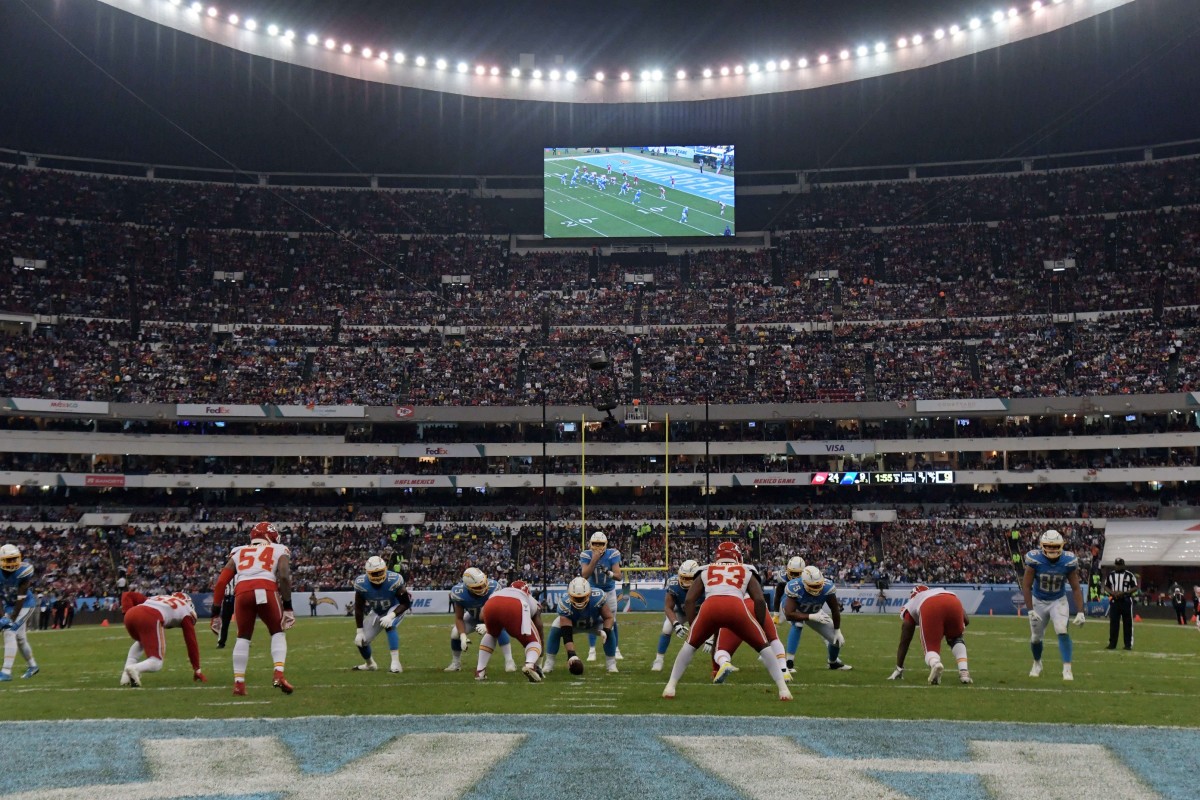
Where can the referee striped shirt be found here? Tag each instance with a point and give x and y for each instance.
(1121, 583)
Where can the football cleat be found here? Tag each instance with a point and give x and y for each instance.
(396, 668)
(591, 656)
(239, 688)
(657, 665)
(4, 676)
(532, 672)
(619, 657)
(135, 677)
(31, 671)
(481, 674)
(510, 666)
(669, 692)
(1036, 670)
(1067, 674)
(723, 672)
(125, 678)
(611, 668)
(964, 676)
(785, 695)
(281, 683)
(370, 666)
(454, 667)
(840, 665)
(935, 673)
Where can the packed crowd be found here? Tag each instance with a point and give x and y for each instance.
(90, 562)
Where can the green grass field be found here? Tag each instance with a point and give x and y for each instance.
(1156, 684)
(584, 211)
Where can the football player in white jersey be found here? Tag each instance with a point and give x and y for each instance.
(145, 620)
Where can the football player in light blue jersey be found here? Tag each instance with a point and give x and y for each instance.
(19, 601)
(812, 600)
(792, 571)
(601, 565)
(673, 617)
(380, 602)
(582, 609)
(1048, 571)
(467, 598)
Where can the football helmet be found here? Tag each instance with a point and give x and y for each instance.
(523, 586)
(813, 580)
(376, 570)
(728, 551)
(916, 590)
(475, 581)
(10, 558)
(580, 592)
(1052, 544)
(264, 532)
(795, 566)
(598, 538)
(188, 604)
(687, 573)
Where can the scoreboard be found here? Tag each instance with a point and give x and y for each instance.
(910, 478)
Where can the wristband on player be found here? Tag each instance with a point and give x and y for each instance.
(287, 605)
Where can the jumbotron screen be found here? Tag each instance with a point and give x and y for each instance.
(639, 192)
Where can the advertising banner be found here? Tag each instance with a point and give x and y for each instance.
(59, 406)
(322, 412)
(219, 410)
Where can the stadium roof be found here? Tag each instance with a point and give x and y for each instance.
(86, 79)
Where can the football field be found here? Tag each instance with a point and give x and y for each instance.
(1129, 719)
(577, 208)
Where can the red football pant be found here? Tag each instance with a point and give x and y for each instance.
(729, 641)
(726, 611)
(508, 614)
(145, 625)
(246, 609)
(941, 618)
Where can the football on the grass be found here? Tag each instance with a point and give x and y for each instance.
(575, 665)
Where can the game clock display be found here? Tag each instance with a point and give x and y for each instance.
(627, 192)
(907, 477)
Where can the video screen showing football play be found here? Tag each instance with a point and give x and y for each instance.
(637, 192)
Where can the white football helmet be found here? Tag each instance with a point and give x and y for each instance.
(687, 573)
(795, 566)
(598, 538)
(580, 592)
(813, 580)
(10, 558)
(1052, 544)
(475, 581)
(376, 570)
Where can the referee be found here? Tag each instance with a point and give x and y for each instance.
(1121, 585)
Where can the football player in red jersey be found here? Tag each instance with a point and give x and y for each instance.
(940, 615)
(263, 591)
(726, 583)
(145, 620)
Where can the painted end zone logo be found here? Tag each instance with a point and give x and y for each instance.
(482, 757)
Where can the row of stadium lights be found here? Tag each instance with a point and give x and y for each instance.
(862, 51)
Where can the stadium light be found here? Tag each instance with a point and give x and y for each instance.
(625, 76)
(753, 67)
(197, 7)
(657, 75)
(707, 72)
(917, 39)
(176, 2)
(824, 59)
(212, 11)
(289, 34)
(680, 74)
(251, 25)
(420, 62)
(997, 17)
(330, 44)
(537, 74)
(398, 58)
(496, 71)
(234, 19)
(954, 30)
(724, 70)
(1012, 12)
(902, 43)
(347, 48)
(880, 47)
(1037, 5)
(599, 76)
(383, 55)
(555, 74)
(311, 38)
(771, 66)
(784, 64)
(974, 23)
(844, 54)
(440, 63)
(516, 72)
(645, 75)
(571, 75)
(802, 63)
(939, 34)
(367, 52)
(738, 70)
(861, 50)
(272, 30)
